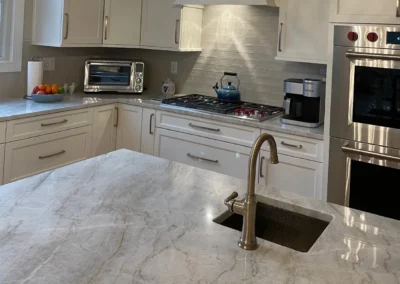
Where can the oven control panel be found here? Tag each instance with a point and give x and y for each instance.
(368, 36)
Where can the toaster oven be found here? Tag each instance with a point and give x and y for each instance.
(113, 76)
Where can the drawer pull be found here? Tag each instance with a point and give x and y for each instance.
(201, 158)
(291, 145)
(205, 128)
(52, 155)
(55, 123)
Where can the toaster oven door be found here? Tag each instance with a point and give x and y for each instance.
(108, 77)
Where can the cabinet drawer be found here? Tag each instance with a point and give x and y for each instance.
(35, 155)
(40, 125)
(217, 156)
(295, 146)
(2, 132)
(231, 133)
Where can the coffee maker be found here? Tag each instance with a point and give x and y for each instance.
(304, 102)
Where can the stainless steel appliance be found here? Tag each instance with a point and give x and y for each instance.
(364, 165)
(240, 110)
(113, 76)
(304, 102)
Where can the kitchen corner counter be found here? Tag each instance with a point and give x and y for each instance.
(126, 217)
(14, 108)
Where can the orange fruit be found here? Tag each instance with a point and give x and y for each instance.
(42, 87)
(54, 88)
(48, 89)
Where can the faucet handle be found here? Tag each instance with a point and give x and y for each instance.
(230, 200)
(230, 197)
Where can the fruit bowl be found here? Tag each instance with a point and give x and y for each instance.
(48, 98)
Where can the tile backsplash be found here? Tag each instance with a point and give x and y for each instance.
(243, 39)
(240, 39)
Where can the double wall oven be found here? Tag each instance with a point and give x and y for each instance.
(364, 166)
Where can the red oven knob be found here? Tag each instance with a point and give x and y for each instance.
(372, 37)
(352, 36)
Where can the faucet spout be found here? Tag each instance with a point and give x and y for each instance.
(255, 151)
(247, 207)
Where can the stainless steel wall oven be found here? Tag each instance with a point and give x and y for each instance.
(364, 167)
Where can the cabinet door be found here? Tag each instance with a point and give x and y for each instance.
(129, 127)
(208, 154)
(1, 163)
(104, 130)
(303, 31)
(148, 129)
(83, 22)
(122, 20)
(292, 174)
(160, 24)
(365, 11)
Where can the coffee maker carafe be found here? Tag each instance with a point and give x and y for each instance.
(304, 102)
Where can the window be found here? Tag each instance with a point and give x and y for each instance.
(11, 34)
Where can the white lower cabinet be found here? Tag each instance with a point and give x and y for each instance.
(148, 131)
(35, 155)
(209, 154)
(104, 130)
(129, 127)
(292, 174)
(1, 162)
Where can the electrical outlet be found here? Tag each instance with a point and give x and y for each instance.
(49, 64)
(174, 67)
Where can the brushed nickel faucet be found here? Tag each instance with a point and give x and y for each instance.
(248, 206)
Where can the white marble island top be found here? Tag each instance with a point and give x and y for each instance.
(130, 218)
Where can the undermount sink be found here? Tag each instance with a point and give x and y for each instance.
(298, 231)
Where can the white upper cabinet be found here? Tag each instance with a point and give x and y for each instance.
(171, 28)
(122, 20)
(365, 11)
(303, 31)
(67, 22)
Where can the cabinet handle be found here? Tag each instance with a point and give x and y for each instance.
(205, 128)
(177, 31)
(117, 120)
(52, 155)
(106, 28)
(398, 9)
(291, 145)
(151, 124)
(66, 15)
(261, 167)
(280, 38)
(201, 158)
(55, 123)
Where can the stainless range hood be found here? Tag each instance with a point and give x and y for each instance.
(273, 3)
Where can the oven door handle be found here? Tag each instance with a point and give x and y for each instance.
(382, 156)
(363, 55)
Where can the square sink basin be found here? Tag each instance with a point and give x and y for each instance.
(294, 230)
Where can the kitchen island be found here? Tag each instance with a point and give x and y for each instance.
(126, 217)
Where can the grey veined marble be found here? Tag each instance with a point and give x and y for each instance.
(18, 108)
(130, 218)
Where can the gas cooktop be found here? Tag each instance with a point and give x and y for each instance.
(241, 110)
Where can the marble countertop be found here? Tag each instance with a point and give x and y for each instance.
(126, 217)
(12, 108)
